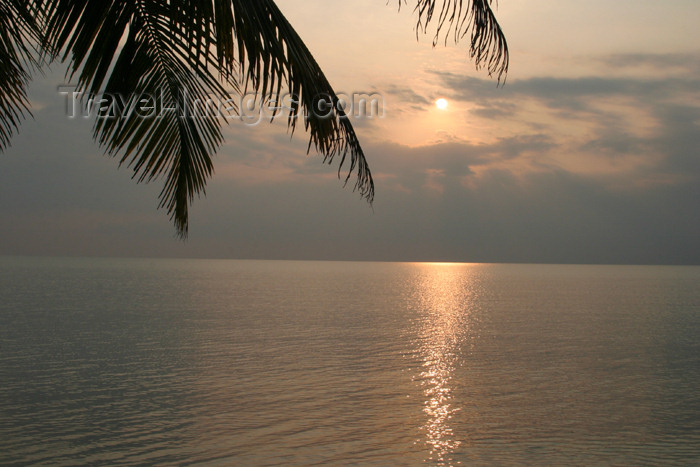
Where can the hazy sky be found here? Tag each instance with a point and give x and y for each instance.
(589, 154)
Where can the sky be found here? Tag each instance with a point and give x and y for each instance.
(590, 152)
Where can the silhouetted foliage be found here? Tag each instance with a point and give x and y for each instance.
(196, 48)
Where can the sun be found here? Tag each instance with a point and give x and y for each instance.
(441, 103)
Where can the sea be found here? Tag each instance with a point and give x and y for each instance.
(222, 362)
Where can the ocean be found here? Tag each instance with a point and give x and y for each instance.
(219, 362)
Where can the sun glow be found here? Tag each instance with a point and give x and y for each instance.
(441, 104)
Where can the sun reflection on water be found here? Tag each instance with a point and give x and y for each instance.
(443, 294)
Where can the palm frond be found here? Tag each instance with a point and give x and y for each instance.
(459, 18)
(164, 64)
(19, 39)
(272, 57)
(182, 51)
(175, 52)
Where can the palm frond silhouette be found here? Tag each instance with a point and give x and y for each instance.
(188, 50)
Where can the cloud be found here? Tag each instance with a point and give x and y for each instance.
(406, 94)
(408, 169)
(679, 139)
(560, 92)
(641, 125)
(495, 214)
(686, 63)
(494, 110)
(596, 169)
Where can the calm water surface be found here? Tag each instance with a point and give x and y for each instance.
(108, 361)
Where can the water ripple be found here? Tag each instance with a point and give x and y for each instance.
(296, 363)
